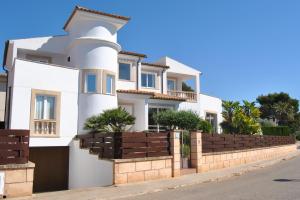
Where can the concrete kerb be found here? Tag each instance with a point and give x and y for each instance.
(136, 189)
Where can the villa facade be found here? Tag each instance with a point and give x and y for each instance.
(55, 83)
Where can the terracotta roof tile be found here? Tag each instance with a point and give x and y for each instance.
(153, 95)
(155, 65)
(136, 92)
(167, 97)
(133, 54)
(94, 12)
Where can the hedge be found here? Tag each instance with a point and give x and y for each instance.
(277, 130)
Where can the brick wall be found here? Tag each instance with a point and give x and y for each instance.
(142, 169)
(18, 179)
(213, 161)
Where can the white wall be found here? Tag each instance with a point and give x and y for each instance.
(30, 75)
(126, 85)
(212, 105)
(93, 104)
(86, 170)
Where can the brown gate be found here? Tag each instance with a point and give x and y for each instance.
(51, 168)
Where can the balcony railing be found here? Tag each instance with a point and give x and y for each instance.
(190, 96)
(44, 128)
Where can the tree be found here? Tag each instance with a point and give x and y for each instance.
(186, 87)
(205, 126)
(112, 120)
(241, 119)
(229, 108)
(185, 120)
(280, 108)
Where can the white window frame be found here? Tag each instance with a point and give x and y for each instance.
(86, 82)
(155, 77)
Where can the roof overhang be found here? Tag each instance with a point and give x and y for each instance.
(117, 20)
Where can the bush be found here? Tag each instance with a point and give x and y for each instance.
(276, 130)
(167, 118)
(112, 120)
(297, 134)
(205, 126)
(186, 120)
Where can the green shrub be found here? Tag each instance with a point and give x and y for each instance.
(297, 134)
(186, 151)
(205, 126)
(276, 130)
(186, 120)
(167, 118)
(112, 120)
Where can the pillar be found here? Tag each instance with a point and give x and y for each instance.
(175, 150)
(196, 150)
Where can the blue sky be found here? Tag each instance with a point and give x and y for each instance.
(244, 48)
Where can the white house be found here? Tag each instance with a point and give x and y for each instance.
(55, 83)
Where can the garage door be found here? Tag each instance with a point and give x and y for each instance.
(51, 168)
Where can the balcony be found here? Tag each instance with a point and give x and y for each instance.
(190, 96)
(44, 128)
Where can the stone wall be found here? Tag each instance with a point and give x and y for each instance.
(213, 161)
(18, 179)
(142, 169)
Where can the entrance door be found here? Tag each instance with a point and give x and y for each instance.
(51, 171)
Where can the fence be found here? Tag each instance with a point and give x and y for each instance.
(227, 142)
(14, 146)
(127, 145)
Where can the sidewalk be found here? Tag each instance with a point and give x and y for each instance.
(131, 190)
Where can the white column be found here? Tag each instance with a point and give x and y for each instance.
(139, 74)
(165, 82)
(197, 88)
(146, 114)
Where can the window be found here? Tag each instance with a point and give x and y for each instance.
(124, 71)
(44, 107)
(171, 85)
(109, 84)
(45, 113)
(148, 80)
(91, 82)
(212, 119)
(152, 125)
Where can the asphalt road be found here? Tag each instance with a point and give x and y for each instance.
(279, 182)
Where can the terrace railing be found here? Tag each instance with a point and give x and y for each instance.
(190, 96)
(14, 146)
(44, 128)
(127, 145)
(227, 142)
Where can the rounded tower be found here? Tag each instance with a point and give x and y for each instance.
(93, 49)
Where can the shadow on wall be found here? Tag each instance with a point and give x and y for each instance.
(287, 180)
